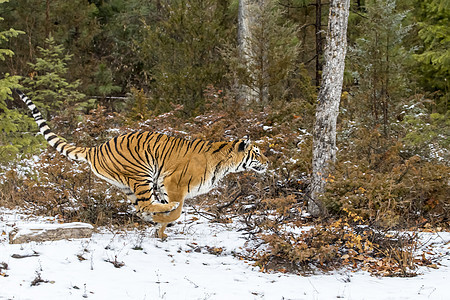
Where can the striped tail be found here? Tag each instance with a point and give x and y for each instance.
(70, 151)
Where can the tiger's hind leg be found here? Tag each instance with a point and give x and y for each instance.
(132, 198)
(163, 219)
(147, 202)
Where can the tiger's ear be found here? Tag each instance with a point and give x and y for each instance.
(243, 145)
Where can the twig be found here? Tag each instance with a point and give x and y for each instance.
(219, 208)
(207, 215)
(313, 287)
(196, 286)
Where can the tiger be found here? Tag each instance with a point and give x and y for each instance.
(158, 172)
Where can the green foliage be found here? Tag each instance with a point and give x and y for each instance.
(5, 36)
(270, 61)
(104, 81)
(122, 33)
(180, 52)
(377, 61)
(14, 125)
(46, 85)
(428, 136)
(103, 86)
(380, 180)
(71, 23)
(434, 56)
(140, 110)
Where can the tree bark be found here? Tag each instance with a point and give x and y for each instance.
(246, 20)
(324, 137)
(318, 31)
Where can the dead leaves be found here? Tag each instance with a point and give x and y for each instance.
(347, 242)
(211, 250)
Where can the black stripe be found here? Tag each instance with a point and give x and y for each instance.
(198, 143)
(59, 142)
(201, 148)
(158, 137)
(52, 137)
(241, 146)
(119, 152)
(142, 199)
(220, 148)
(108, 166)
(189, 185)
(144, 192)
(94, 159)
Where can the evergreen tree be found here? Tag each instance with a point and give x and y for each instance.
(122, 32)
(46, 84)
(103, 86)
(434, 55)
(71, 23)
(139, 110)
(14, 125)
(180, 52)
(377, 61)
(269, 56)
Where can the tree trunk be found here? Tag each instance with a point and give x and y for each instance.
(324, 138)
(318, 31)
(47, 18)
(246, 19)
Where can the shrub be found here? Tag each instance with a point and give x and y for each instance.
(336, 243)
(375, 179)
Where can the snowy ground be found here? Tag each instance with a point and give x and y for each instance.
(184, 268)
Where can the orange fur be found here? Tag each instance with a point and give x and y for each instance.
(158, 172)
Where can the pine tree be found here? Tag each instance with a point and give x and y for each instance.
(46, 84)
(268, 58)
(377, 61)
(139, 110)
(14, 125)
(434, 55)
(122, 33)
(103, 86)
(180, 53)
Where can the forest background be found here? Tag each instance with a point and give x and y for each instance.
(100, 68)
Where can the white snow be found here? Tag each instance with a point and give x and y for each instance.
(182, 268)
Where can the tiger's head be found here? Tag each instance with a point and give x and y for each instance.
(249, 157)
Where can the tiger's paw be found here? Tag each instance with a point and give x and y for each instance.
(160, 235)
